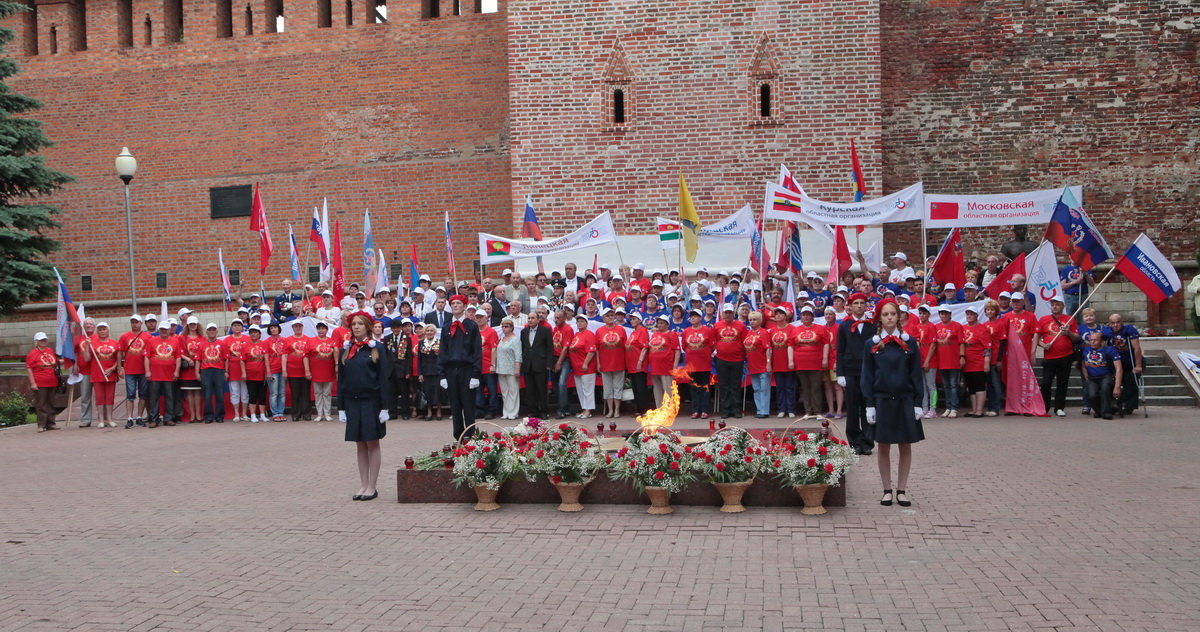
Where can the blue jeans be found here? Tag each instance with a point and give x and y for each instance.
(212, 389)
(560, 380)
(785, 392)
(995, 390)
(950, 379)
(136, 387)
(762, 392)
(275, 384)
(488, 404)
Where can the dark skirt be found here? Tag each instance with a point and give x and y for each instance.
(189, 385)
(895, 421)
(362, 420)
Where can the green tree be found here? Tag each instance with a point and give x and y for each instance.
(25, 180)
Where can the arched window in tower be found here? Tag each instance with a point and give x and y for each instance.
(618, 106)
(618, 92)
(249, 20)
(173, 20)
(148, 31)
(764, 100)
(224, 18)
(53, 39)
(764, 83)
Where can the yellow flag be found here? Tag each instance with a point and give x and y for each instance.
(689, 220)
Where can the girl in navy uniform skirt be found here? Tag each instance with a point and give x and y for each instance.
(363, 396)
(892, 386)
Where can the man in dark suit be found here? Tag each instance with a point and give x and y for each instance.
(399, 345)
(461, 360)
(537, 353)
(438, 316)
(852, 336)
(499, 305)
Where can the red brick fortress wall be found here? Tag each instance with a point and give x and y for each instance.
(689, 70)
(997, 97)
(408, 118)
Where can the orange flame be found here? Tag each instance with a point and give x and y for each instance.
(664, 416)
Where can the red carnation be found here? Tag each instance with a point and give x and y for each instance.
(622, 451)
(803, 436)
(555, 436)
(480, 464)
(632, 464)
(585, 444)
(556, 479)
(812, 462)
(487, 449)
(720, 467)
(608, 459)
(822, 451)
(659, 475)
(708, 459)
(727, 447)
(776, 463)
(563, 426)
(674, 465)
(749, 459)
(829, 468)
(497, 435)
(540, 453)
(676, 455)
(662, 447)
(649, 460)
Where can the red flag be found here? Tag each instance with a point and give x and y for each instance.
(949, 266)
(1022, 395)
(857, 181)
(841, 260)
(781, 258)
(339, 274)
(596, 265)
(258, 224)
(1000, 283)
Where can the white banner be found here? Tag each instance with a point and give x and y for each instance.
(901, 206)
(494, 248)
(1041, 277)
(737, 226)
(1004, 209)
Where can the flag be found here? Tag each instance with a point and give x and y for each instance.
(64, 342)
(258, 224)
(857, 182)
(327, 271)
(414, 272)
(669, 234)
(224, 278)
(690, 222)
(781, 256)
(787, 181)
(449, 246)
(1042, 278)
(596, 265)
(756, 248)
(262, 291)
(841, 261)
(316, 234)
(1071, 229)
(530, 228)
(295, 254)
(794, 252)
(337, 273)
(1146, 267)
(1000, 283)
(497, 248)
(162, 318)
(370, 265)
(1022, 393)
(949, 266)
(383, 276)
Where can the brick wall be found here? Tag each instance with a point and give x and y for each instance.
(688, 70)
(408, 118)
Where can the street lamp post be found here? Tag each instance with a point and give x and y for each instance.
(126, 167)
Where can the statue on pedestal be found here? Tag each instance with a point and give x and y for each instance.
(1020, 243)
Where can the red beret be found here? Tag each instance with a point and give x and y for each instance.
(458, 297)
(879, 307)
(857, 296)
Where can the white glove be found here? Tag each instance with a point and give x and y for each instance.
(444, 384)
(917, 411)
(342, 416)
(474, 383)
(871, 416)
(383, 416)
(842, 381)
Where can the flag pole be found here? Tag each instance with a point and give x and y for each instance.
(1083, 304)
(617, 243)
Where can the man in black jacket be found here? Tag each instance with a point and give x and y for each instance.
(461, 360)
(438, 316)
(537, 353)
(852, 336)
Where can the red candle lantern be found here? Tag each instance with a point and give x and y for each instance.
(408, 463)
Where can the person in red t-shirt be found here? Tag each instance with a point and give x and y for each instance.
(635, 342)
(487, 396)
(583, 364)
(727, 335)
(297, 373)
(41, 366)
(998, 331)
(103, 353)
(1057, 335)
(834, 394)
(161, 363)
(810, 353)
(562, 334)
(783, 363)
(238, 397)
(214, 372)
(132, 366)
(950, 357)
(757, 345)
(978, 343)
(276, 386)
(256, 361)
(189, 378)
(662, 353)
(610, 351)
(322, 363)
(698, 344)
(1026, 322)
(82, 370)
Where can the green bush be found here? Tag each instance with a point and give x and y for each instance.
(14, 410)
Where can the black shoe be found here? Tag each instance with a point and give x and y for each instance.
(560, 415)
(902, 503)
(220, 421)
(371, 497)
(886, 502)
(867, 452)
(738, 415)
(428, 418)
(129, 424)
(1011, 414)
(208, 421)
(357, 497)
(760, 416)
(1108, 415)
(1096, 415)
(139, 422)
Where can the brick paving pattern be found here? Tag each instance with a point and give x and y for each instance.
(1018, 524)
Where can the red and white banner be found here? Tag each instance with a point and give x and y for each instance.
(1003, 209)
(1023, 395)
(788, 205)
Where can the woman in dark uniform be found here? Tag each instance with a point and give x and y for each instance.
(363, 395)
(892, 386)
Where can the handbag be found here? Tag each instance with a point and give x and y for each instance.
(184, 363)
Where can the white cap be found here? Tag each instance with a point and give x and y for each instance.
(41, 335)
(802, 295)
(294, 323)
(507, 271)
(136, 317)
(619, 310)
(656, 283)
(617, 277)
(664, 318)
(702, 269)
(605, 311)
(382, 288)
(255, 295)
(556, 271)
(639, 266)
(243, 309)
(1017, 296)
(192, 320)
(1057, 297)
(909, 274)
(597, 286)
(605, 266)
(816, 277)
(944, 308)
(924, 307)
(781, 308)
(418, 290)
(806, 309)
(972, 308)
(728, 308)
(101, 324)
(696, 312)
(810, 274)
(658, 271)
(970, 286)
(1005, 295)
(184, 310)
(889, 291)
(900, 255)
(948, 286)
(237, 321)
(153, 317)
(635, 314)
(360, 293)
(904, 308)
(255, 328)
(423, 277)
(211, 326)
(327, 293)
(440, 288)
(171, 322)
(842, 288)
(264, 308)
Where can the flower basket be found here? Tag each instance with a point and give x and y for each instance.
(656, 460)
(569, 495)
(660, 500)
(484, 462)
(569, 456)
(813, 496)
(485, 498)
(730, 460)
(810, 463)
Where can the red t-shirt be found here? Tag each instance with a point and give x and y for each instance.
(925, 335)
(832, 329)
(634, 343)
(698, 343)
(104, 356)
(163, 354)
(257, 357)
(1048, 329)
(582, 344)
(134, 346)
(997, 330)
(237, 348)
(562, 338)
(296, 348)
(339, 335)
(949, 335)
(756, 343)
(645, 283)
(978, 339)
(85, 366)
(610, 345)
(43, 363)
(189, 346)
(1026, 324)
(491, 340)
(781, 341)
(213, 354)
(321, 362)
(808, 345)
(728, 338)
(662, 346)
(277, 348)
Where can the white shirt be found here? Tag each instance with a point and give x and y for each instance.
(897, 276)
(331, 315)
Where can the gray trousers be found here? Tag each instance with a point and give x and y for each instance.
(86, 400)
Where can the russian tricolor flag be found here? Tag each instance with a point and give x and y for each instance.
(1071, 229)
(1146, 267)
(64, 343)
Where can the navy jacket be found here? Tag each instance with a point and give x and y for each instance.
(462, 348)
(850, 347)
(361, 377)
(892, 371)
